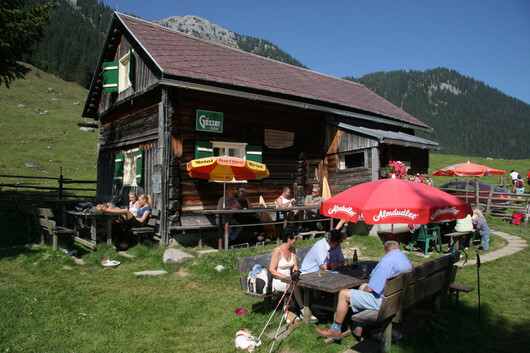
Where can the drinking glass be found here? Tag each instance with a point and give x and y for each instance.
(319, 271)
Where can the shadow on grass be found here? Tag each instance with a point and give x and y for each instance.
(454, 330)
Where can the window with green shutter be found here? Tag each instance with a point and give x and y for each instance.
(254, 153)
(110, 76)
(203, 149)
(118, 168)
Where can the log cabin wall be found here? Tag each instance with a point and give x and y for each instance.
(126, 126)
(244, 122)
(341, 145)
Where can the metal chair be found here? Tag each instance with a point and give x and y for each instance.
(425, 235)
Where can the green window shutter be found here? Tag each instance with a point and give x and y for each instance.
(118, 169)
(110, 76)
(203, 149)
(254, 153)
(139, 165)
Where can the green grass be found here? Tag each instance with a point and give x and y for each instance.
(52, 140)
(51, 304)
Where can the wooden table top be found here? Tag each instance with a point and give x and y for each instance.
(334, 281)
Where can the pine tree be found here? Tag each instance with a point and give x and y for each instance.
(20, 27)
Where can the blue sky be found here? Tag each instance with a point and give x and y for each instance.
(488, 40)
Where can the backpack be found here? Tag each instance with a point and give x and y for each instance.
(259, 280)
(519, 183)
(517, 218)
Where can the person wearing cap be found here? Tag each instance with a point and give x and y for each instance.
(326, 253)
(369, 295)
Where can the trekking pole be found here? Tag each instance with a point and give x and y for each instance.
(283, 316)
(293, 277)
(478, 288)
(270, 318)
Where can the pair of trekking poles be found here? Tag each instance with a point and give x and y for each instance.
(286, 301)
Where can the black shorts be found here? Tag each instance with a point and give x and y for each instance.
(133, 223)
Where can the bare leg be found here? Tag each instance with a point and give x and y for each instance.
(342, 306)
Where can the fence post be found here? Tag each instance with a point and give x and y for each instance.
(488, 205)
(61, 184)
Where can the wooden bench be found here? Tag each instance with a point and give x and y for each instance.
(150, 229)
(44, 218)
(405, 290)
(245, 265)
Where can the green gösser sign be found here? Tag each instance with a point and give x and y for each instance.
(209, 121)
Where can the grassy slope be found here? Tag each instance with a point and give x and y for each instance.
(52, 140)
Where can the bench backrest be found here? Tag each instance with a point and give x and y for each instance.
(245, 264)
(393, 295)
(429, 279)
(154, 218)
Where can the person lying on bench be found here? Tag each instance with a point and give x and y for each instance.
(369, 295)
(138, 220)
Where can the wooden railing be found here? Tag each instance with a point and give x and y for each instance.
(495, 206)
(35, 187)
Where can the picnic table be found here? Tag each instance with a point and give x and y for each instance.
(330, 282)
(232, 212)
(94, 217)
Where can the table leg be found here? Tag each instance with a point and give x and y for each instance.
(93, 231)
(307, 302)
(109, 231)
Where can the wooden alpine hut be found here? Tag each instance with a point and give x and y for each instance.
(154, 88)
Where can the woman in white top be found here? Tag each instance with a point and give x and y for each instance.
(133, 203)
(283, 264)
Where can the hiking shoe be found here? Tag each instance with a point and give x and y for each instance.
(327, 332)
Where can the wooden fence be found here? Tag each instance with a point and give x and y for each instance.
(496, 206)
(35, 187)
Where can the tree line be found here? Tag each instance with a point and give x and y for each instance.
(468, 116)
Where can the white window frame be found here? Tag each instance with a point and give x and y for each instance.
(238, 148)
(124, 67)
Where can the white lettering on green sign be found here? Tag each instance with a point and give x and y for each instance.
(209, 121)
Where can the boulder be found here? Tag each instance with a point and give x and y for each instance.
(176, 256)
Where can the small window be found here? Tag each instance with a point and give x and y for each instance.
(124, 74)
(352, 160)
(313, 172)
(229, 149)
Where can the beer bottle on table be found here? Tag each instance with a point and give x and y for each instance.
(355, 260)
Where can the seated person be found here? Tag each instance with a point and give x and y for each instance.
(369, 295)
(465, 225)
(314, 200)
(138, 220)
(326, 253)
(283, 264)
(226, 203)
(284, 201)
(248, 218)
(134, 205)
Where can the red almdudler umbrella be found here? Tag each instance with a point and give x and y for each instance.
(390, 201)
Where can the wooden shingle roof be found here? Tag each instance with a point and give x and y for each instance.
(181, 56)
